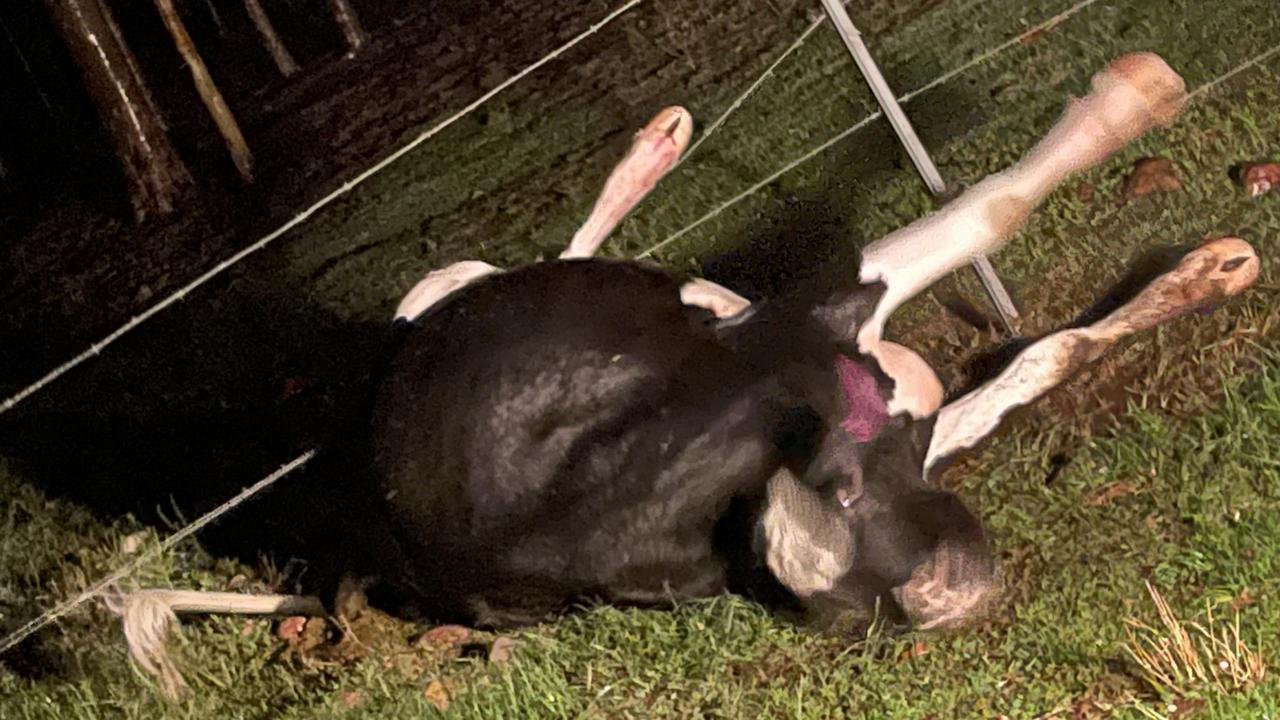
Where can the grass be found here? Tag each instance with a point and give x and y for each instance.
(1176, 661)
(1200, 523)
(1178, 489)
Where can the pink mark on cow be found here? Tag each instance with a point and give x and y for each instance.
(868, 411)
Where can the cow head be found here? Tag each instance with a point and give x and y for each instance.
(855, 522)
(860, 528)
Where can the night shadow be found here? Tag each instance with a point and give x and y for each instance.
(212, 396)
(814, 228)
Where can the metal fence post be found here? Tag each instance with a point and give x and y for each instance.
(915, 149)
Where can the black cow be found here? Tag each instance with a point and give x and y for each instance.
(592, 429)
(572, 430)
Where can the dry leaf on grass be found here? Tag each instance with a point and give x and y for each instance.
(1244, 599)
(1259, 178)
(919, 648)
(437, 694)
(1149, 175)
(1030, 37)
(293, 386)
(1109, 492)
(1184, 707)
(290, 628)
(444, 636)
(1084, 192)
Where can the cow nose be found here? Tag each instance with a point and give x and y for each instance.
(953, 588)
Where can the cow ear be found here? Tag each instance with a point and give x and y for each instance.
(903, 445)
(920, 433)
(837, 467)
(843, 310)
(807, 543)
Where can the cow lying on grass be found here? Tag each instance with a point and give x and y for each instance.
(588, 429)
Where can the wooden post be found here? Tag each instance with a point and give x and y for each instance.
(109, 20)
(350, 24)
(155, 173)
(279, 53)
(217, 107)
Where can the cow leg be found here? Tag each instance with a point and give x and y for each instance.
(1133, 94)
(721, 301)
(655, 150)
(1205, 276)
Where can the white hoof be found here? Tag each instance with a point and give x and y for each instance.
(710, 296)
(439, 283)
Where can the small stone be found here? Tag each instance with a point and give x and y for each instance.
(1151, 175)
(501, 650)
